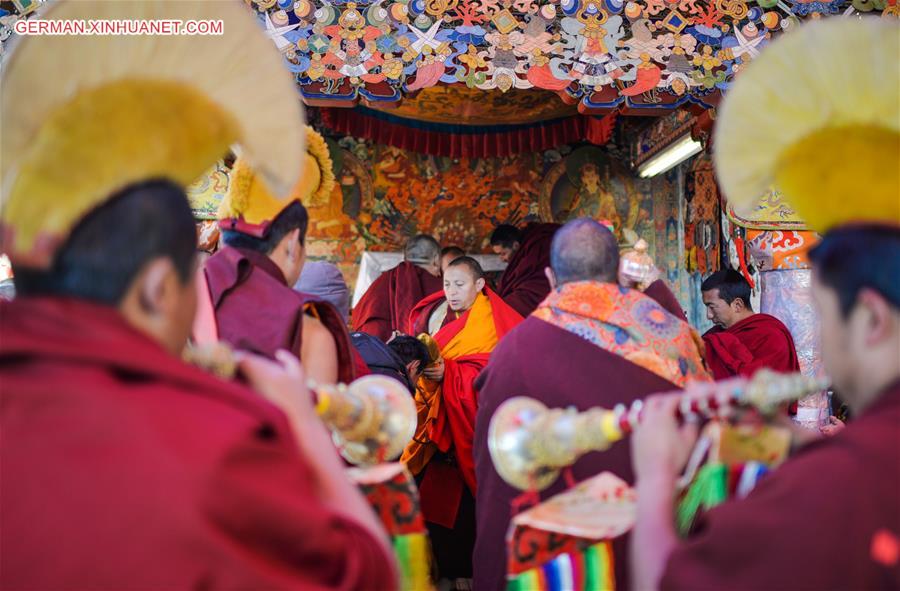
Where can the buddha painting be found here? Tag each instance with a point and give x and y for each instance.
(592, 199)
(580, 186)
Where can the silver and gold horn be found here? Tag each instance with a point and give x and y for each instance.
(371, 420)
(530, 443)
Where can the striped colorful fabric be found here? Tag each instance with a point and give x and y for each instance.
(412, 556)
(392, 493)
(588, 570)
(713, 485)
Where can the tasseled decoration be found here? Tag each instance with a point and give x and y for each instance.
(411, 551)
(709, 488)
(715, 484)
(589, 570)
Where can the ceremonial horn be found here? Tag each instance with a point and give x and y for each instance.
(530, 443)
(371, 420)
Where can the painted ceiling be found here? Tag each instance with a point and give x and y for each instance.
(632, 56)
(459, 104)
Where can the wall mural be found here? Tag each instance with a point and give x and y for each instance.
(701, 220)
(389, 194)
(207, 193)
(659, 134)
(460, 201)
(383, 195)
(589, 183)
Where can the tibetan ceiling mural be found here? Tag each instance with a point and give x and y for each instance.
(640, 56)
(631, 56)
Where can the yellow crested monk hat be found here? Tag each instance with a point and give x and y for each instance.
(250, 206)
(817, 117)
(85, 116)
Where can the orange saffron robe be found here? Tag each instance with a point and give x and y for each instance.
(447, 410)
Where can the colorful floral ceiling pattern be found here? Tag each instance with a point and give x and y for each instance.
(641, 55)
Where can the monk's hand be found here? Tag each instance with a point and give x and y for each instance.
(630, 282)
(833, 427)
(652, 277)
(625, 280)
(281, 382)
(435, 371)
(660, 447)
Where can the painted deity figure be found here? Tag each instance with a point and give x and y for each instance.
(593, 199)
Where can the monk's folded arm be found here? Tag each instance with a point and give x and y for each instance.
(280, 512)
(318, 352)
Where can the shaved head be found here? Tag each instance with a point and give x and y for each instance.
(449, 254)
(422, 250)
(470, 264)
(453, 251)
(584, 250)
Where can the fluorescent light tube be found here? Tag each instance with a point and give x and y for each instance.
(671, 156)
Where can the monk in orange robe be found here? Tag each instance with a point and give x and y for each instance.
(467, 321)
(386, 305)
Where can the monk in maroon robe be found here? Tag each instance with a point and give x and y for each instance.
(124, 467)
(467, 321)
(742, 341)
(829, 517)
(524, 284)
(552, 360)
(386, 305)
(249, 287)
(257, 311)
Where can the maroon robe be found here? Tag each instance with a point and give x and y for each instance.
(524, 284)
(560, 369)
(386, 305)
(828, 518)
(257, 311)
(659, 291)
(124, 468)
(753, 343)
